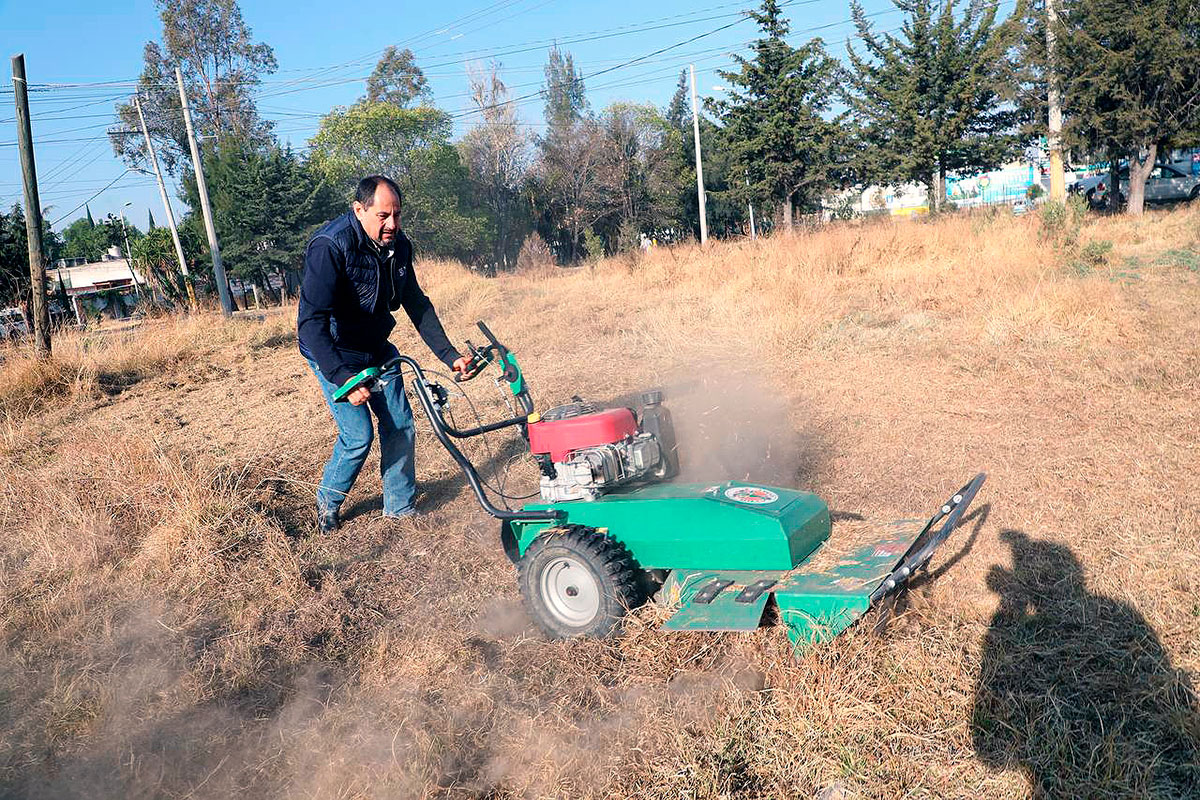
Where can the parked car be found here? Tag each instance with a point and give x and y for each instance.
(1165, 184)
(13, 324)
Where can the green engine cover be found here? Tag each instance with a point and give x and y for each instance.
(729, 526)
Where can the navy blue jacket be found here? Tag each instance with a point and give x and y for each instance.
(348, 296)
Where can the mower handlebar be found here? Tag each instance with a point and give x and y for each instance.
(430, 404)
(431, 397)
(490, 337)
(479, 359)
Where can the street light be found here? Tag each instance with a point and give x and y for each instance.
(129, 253)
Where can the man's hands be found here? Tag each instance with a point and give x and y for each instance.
(462, 365)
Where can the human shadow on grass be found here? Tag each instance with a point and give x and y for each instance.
(1075, 688)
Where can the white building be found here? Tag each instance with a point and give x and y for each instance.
(98, 286)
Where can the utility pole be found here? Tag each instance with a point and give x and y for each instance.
(162, 190)
(699, 164)
(33, 210)
(753, 233)
(202, 188)
(1058, 184)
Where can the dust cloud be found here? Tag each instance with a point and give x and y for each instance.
(732, 424)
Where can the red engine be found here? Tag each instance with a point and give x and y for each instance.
(558, 438)
(584, 450)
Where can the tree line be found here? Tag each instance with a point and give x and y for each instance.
(954, 90)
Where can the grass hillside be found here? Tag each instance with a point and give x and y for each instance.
(166, 635)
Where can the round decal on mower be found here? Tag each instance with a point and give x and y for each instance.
(752, 495)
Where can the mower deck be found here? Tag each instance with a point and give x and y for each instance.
(731, 548)
(728, 526)
(816, 600)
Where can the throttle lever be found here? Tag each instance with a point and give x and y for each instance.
(479, 360)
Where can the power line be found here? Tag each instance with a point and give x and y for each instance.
(90, 199)
(376, 53)
(539, 44)
(643, 79)
(628, 63)
(48, 115)
(458, 114)
(689, 18)
(62, 169)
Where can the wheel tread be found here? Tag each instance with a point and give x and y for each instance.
(609, 556)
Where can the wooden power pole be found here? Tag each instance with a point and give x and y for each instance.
(202, 188)
(162, 190)
(33, 210)
(699, 161)
(1058, 183)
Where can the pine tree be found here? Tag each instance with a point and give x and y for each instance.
(566, 102)
(680, 108)
(149, 220)
(91, 222)
(726, 212)
(774, 128)
(265, 205)
(927, 100)
(1131, 81)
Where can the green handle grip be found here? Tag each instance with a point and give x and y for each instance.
(513, 369)
(365, 378)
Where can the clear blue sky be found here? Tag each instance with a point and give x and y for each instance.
(325, 52)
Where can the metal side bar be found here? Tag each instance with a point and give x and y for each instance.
(927, 541)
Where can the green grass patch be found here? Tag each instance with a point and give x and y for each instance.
(1187, 259)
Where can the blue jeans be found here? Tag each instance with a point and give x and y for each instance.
(355, 432)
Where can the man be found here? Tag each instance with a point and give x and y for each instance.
(357, 271)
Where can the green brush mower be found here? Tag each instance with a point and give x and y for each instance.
(612, 529)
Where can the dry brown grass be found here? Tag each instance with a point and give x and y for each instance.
(164, 637)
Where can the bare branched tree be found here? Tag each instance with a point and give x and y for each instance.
(497, 154)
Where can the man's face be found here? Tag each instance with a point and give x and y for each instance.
(382, 219)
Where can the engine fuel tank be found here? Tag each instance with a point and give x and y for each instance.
(559, 437)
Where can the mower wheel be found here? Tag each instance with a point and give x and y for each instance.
(576, 581)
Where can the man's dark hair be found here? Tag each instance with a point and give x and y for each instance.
(365, 193)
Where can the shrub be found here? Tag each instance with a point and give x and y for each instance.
(534, 254)
(1185, 259)
(1061, 221)
(593, 243)
(1054, 218)
(1092, 256)
(844, 209)
(1096, 252)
